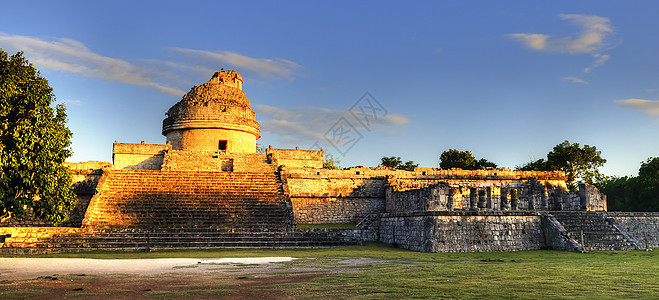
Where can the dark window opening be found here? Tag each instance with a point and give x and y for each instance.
(222, 145)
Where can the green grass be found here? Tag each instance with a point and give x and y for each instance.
(189, 293)
(26, 294)
(632, 276)
(489, 275)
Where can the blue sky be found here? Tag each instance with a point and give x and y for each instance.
(507, 80)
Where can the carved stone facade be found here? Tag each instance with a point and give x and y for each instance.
(208, 181)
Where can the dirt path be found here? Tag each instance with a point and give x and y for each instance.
(25, 268)
(225, 278)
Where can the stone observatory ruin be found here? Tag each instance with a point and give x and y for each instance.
(208, 187)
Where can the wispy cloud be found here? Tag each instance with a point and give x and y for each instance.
(574, 79)
(593, 39)
(272, 67)
(72, 101)
(306, 124)
(649, 107)
(167, 76)
(72, 56)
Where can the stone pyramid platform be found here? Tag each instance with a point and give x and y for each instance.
(598, 232)
(189, 199)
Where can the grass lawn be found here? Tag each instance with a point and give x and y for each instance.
(405, 274)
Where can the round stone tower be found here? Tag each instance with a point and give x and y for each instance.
(214, 116)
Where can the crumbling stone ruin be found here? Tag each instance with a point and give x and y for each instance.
(208, 187)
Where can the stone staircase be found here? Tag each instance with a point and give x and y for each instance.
(189, 199)
(599, 234)
(57, 239)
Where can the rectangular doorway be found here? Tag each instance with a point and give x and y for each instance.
(222, 146)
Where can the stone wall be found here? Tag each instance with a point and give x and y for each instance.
(436, 231)
(327, 210)
(591, 199)
(644, 227)
(423, 194)
(127, 156)
(85, 176)
(208, 139)
(296, 158)
(334, 196)
(179, 160)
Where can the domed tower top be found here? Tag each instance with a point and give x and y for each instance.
(213, 116)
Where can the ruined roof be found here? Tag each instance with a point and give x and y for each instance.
(218, 101)
(224, 87)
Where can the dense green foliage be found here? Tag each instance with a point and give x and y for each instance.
(580, 164)
(34, 142)
(454, 158)
(331, 162)
(635, 193)
(396, 163)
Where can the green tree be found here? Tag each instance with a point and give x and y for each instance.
(535, 165)
(396, 163)
(634, 193)
(34, 142)
(454, 158)
(390, 161)
(580, 164)
(408, 165)
(331, 162)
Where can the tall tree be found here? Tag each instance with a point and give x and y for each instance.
(390, 161)
(635, 193)
(34, 142)
(396, 163)
(454, 158)
(331, 162)
(580, 164)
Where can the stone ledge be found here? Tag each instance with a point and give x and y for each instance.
(460, 213)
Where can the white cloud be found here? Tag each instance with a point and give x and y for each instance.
(272, 67)
(307, 124)
(534, 41)
(601, 59)
(72, 101)
(593, 38)
(574, 79)
(69, 55)
(649, 107)
(73, 56)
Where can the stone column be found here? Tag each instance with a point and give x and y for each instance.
(482, 201)
(531, 199)
(455, 197)
(558, 199)
(505, 199)
(473, 198)
(544, 205)
(513, 199)
(496, 198)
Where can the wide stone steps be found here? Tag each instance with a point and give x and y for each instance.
(184, 199)
(593, 231)
(140, 239)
